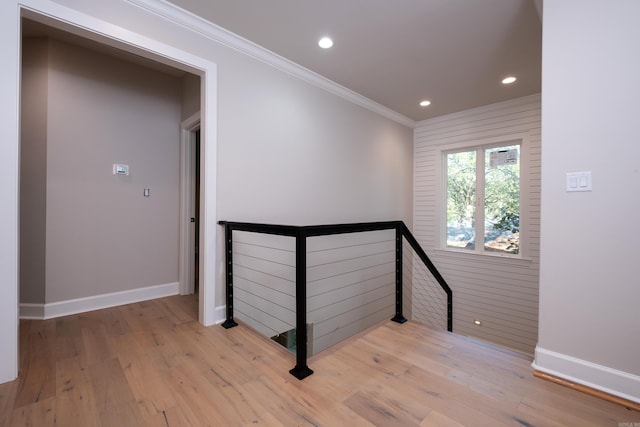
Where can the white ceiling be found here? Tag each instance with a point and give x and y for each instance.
(394, 52)
(398, 52)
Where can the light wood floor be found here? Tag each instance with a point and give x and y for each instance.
(152, 364)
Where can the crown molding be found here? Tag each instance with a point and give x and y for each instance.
(197, 24)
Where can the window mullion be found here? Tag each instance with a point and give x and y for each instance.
(480, 179)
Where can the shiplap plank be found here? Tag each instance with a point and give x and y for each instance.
(269, 267)
(330, 283)
(272, 308)
(349, 329)
(260, 320)
(320, 243)
(338, 268)
(279, 284)
(325, 299)
(323, 314)
(489, 311)
(258, 290)
(319, 258)
(266, 240)
(330, 325)
(276, 255)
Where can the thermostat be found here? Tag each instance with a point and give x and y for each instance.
(119, 169)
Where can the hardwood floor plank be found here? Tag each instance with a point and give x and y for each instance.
(413, 351)
(112, 320)
(170, 417)
(97, 345)
(37, 414)
(74, 393)
(378, 412)
(7, 398)
(69, 342)
(204, 399)
(457, 401)
(181, 310)
(39, 369)
(436, 419)
(115, 401)
(126, 414)
(147, 381)
(287, 411)
(153, 364)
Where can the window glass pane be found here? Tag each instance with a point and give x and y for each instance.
(461, 199)
(502, 199)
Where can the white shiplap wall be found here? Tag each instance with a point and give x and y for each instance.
(502, 292)
(264, 281)
(350, 283)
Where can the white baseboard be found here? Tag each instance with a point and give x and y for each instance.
(598, 377)
(97, 302)
(31, 311)
(220, 314)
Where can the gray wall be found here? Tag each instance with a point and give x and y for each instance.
(101, 235)
(190, 95)
(589, 282)
(33, 169)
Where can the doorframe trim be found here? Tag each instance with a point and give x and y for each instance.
(186, 265)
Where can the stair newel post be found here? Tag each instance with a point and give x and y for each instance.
(399, 317)
(228, 261)
(301, 370)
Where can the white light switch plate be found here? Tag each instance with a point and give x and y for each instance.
(579, 181)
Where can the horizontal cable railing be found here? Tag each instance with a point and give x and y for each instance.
(308, 287)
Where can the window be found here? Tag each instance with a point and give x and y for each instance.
(483, 199)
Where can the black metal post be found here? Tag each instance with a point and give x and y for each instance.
(301, 370)
(450, 312)
(399, 317)
(228, 258)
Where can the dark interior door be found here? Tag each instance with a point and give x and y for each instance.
(196, 213)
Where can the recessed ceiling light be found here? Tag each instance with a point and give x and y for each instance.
(508, 80)
(325, 43)
(425, 103)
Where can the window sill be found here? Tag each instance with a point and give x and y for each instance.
(496, 256)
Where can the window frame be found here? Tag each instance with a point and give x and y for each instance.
(482, 145)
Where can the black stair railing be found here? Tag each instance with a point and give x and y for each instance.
(300, 233)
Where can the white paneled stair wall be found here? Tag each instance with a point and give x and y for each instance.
(350, 283)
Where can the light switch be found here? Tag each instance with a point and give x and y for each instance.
(579, 181)
(573, 182)
(146, 192)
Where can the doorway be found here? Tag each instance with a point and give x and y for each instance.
(190, 207)
(108, 34)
